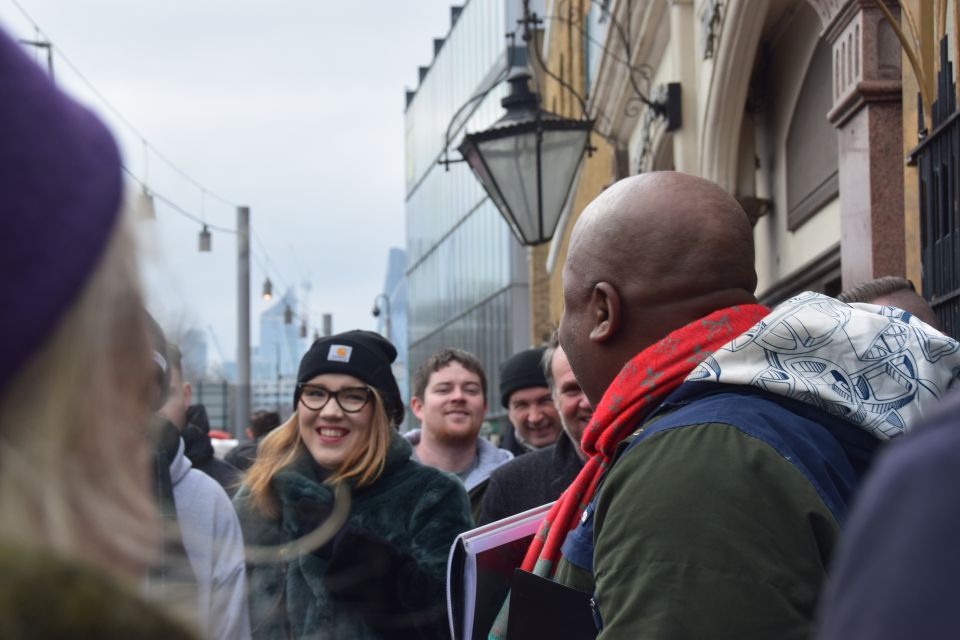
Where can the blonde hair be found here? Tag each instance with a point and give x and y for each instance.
(73, 454)
(363, 466)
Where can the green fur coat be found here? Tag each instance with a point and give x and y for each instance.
(417, 511)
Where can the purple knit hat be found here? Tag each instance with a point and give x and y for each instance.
(60, 196)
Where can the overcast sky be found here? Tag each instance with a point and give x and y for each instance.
(293, 107)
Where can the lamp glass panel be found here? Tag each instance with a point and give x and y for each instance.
(561, 151)
(513, 166)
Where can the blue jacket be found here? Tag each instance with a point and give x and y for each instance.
(703, 479)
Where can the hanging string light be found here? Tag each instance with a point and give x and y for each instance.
(267, 289)
(145, 204)
(205, 239)
(145, 198)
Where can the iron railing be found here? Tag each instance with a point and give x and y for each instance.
(218, 398)
(938, 163)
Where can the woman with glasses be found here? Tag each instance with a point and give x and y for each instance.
(347, 536)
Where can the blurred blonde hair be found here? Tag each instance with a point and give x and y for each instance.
(281, 447)
(73, 453)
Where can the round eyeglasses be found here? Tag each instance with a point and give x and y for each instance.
(350, 399)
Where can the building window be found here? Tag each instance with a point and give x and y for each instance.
(822, 274)
(812, 144)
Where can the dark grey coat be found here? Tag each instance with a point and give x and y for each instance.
(530, 480)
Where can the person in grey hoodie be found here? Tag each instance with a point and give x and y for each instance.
(450, 400)
(214, 545)
(209, 529)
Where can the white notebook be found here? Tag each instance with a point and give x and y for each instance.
(480, 568)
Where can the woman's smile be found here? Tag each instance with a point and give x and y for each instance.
(331, 435)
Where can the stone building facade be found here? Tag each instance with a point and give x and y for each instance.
(800, 108)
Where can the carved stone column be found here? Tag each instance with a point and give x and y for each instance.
(867, 113)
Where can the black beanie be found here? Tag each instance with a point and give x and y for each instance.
(365, 355)
(520, 371)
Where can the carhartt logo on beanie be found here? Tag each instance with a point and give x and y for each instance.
(339, 353)
(365, 355)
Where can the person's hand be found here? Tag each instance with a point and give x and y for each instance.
(311, 514)
(364, 570)
(370, 577)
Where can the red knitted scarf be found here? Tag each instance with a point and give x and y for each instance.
(640, 386)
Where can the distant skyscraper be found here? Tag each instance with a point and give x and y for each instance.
(276, 358)
(193, 347)
(281, 346)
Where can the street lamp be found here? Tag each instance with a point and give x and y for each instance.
(267, 289)
(386, 313)
(527, 161)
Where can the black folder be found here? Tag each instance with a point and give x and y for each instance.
(542, 608)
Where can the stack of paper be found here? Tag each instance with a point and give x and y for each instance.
(480, 570)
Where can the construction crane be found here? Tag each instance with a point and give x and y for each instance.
(216, 344)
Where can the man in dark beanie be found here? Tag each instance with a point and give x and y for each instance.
(526, 396)
(540, 477)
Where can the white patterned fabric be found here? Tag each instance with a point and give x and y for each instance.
(878, 367)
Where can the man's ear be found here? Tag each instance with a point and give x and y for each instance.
(606, 311)
(187, 394)
(416, 405)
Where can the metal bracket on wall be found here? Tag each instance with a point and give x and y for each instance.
(665, 103)
(755, 208)
(710, 23)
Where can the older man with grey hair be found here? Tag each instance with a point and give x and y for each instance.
(542, 475)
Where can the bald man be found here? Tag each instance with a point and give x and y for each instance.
(732, 438)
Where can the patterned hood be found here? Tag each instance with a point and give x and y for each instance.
(878, 367)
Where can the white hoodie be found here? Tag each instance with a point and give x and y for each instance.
(214, 545)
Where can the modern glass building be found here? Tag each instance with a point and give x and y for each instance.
(392, 318)
(467, 276)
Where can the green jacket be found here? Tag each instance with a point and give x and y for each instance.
(418, 511)
(46, 597)
(721, 515)
(705, 532)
